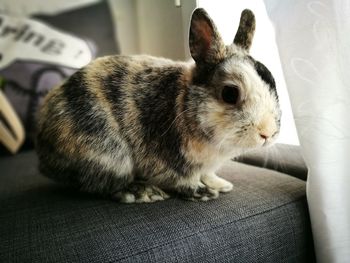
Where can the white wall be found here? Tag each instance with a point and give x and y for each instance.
(160, 28)
(125, 16)
(152, 27)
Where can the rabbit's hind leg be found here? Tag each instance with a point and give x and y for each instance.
(140, 192)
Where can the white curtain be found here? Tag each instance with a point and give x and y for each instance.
(313, 39)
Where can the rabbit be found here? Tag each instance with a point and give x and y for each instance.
(140, 129)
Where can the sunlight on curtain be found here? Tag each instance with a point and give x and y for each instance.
(313, 39)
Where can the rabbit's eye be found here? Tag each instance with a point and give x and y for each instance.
(230, 94)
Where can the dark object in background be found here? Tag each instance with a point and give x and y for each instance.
(25, 82)
(93, 22)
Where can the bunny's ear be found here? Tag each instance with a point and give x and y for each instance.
(205, 43)
(246, 29)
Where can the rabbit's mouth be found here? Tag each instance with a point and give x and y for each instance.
(267, 142)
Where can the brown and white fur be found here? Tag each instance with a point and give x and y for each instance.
(137, 128)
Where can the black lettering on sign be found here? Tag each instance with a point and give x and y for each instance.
(7, 30)
(21, 32)
(39, 39)
(53, 47)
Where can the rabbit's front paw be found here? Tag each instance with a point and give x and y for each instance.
(215, 182)
(199, 193)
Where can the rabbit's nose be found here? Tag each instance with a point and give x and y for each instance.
(267, 127)
(264, 136)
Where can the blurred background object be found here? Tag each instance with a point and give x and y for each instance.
(42, 44)
(11, 129)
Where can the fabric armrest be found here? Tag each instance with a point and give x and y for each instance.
(280, 157)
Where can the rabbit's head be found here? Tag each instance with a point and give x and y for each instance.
(235, 96)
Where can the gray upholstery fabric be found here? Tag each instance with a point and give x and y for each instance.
(264, 219)
(280, 157)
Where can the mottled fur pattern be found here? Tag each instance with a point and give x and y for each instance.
(138, 127)
(246, 29)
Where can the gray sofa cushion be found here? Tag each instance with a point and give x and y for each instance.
(264, 219)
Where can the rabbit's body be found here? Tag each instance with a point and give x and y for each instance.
(133, 126)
